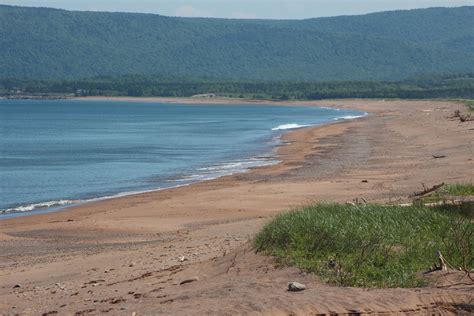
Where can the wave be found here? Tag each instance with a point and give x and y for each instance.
(330, 108)
(349, 117)
(229, 168)
(295, 125)
(205, 174)
(288, 126)
(42, 205)
(59, 203)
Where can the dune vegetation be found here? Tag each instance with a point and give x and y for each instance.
(372, 245)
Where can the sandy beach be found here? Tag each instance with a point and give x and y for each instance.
(129, 255)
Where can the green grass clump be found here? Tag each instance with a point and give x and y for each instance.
(458, 189)
(449, 191)
(370, 245)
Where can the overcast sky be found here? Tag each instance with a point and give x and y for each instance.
(265, 9)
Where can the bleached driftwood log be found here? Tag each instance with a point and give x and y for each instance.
(442, 263)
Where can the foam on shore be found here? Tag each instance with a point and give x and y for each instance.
(202, 174)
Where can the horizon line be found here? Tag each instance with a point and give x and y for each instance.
(233, 18)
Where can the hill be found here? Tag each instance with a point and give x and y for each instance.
(43, 43)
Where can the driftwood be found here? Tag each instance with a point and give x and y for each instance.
(438, 156)
(357, 201)
(427, 190)
(456, 199)
(447, 200)
(442, 263)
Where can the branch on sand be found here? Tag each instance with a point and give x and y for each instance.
(427, 191)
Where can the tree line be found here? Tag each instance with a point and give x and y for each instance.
(452, 86)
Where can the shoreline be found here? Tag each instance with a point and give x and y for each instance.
(184, 100)
(58, 206)
(131, 254)
(66, 204)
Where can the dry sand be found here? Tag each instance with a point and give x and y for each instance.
(122, 256)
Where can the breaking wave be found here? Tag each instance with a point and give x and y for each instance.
(288, 126)
(36, 206)
(349, 117)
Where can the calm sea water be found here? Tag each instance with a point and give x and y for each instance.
(56, 153)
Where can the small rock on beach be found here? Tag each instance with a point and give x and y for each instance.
(296, 287)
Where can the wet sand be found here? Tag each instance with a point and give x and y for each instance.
(123, 255)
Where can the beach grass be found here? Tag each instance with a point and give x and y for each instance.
(371, 245)
(458, 189)
(449, 191)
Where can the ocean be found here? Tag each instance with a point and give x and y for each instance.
(55, 153)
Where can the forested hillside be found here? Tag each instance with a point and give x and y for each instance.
(42, 43)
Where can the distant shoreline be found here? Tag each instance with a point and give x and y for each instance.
(330, 103)
(188, 100)
(218, 100)
(37, 97)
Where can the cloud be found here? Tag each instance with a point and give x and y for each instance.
(190, 11)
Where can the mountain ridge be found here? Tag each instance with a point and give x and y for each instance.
(44, 43)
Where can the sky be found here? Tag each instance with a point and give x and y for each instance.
(262, 9)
